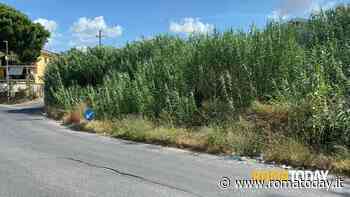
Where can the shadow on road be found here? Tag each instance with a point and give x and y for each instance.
(28, 111)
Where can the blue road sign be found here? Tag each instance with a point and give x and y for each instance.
(89, 114)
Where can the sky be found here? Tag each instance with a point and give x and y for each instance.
(75, 23)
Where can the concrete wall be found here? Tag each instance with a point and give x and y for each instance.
(34, 89)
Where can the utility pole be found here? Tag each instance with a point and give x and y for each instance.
(7, 70)
(100, 36)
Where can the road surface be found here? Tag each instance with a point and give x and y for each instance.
(41, 158)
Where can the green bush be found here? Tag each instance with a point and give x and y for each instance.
(205, 79)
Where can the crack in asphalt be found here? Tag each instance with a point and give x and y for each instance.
(131, 175)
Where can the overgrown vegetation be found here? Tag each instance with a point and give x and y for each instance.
(287, 84)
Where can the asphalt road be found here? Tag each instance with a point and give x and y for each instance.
(41, 158)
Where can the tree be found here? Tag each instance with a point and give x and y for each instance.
(25, 38)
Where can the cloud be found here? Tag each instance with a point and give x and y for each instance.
(85, 30)
(82, 48)
(277, 15)
(294, 6)
(49, 25)
(317, 5)
(288, 8)
(191, 25)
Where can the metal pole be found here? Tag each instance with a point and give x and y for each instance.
(7, 71)
(99, 36)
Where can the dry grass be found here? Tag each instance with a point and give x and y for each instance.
(99, 127)
(243, 137)
(192, 140)
(342, 166)
(270, 117)
(293, 153)
(288, 151)
(55, 113)
(238, 138)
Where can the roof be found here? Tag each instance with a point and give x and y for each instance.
(47, 52)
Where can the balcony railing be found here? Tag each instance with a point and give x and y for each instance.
(18, 73)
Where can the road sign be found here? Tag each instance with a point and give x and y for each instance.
(89, 114)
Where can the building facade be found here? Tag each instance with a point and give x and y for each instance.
(43, 60)
(26, 77)
(34, 72)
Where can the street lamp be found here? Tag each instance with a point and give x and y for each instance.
(7, 69)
